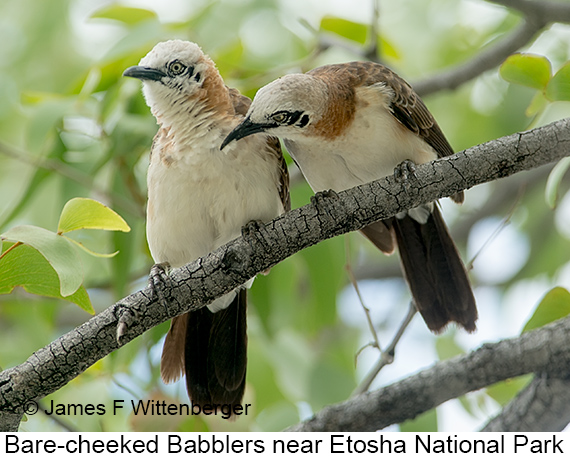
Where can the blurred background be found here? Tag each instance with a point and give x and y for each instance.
(71, 126)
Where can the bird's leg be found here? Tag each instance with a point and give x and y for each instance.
(256, 230)
(158, 281)
(323, 202)
(128, 316)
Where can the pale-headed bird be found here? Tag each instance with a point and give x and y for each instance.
(352, 123)
(199, 198)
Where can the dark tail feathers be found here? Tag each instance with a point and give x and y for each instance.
(434, 270)
(215, 354)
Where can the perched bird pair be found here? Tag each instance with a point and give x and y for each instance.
(344, 125)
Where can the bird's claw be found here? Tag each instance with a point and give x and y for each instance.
(404, 171)
(320, 197)
(251, 228)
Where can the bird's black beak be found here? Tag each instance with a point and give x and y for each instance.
(144, 73)
(244, 129)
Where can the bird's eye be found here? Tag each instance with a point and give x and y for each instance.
(280, 117)
(176, 68)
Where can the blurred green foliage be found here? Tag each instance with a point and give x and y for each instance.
(71, 126)
(55, 269)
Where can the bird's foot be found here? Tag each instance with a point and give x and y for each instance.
(256, 230)
(404, 171)
(252, 228)
(321, 197)
(324, 203)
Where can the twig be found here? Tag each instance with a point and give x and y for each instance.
(504, 222)
(348, 268)
(387, 355)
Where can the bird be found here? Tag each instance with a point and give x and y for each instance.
(347, 124)
(199, 198)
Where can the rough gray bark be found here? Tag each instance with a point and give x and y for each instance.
(542, 406)
(544, 350)
(205, 279)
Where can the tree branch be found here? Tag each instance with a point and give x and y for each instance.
(547, 11)
(487, 59)
(542, 406)
(537, 15)
(200, 282)
(542, 350)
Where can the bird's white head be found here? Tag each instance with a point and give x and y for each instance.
(173, 73)
(286, 107)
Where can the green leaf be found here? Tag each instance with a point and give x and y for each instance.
(388, 48)
(84, 213)
(527, 70)
(57, 250)
(553, 182)
(503, 392)
(89, 251)
(325, 262)
(125, 14)
(555, 305)
(25, 267)
(347, 29)
(558, 89)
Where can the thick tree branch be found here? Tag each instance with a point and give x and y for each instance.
(542, 406)
(207, 278)
(543, 350)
